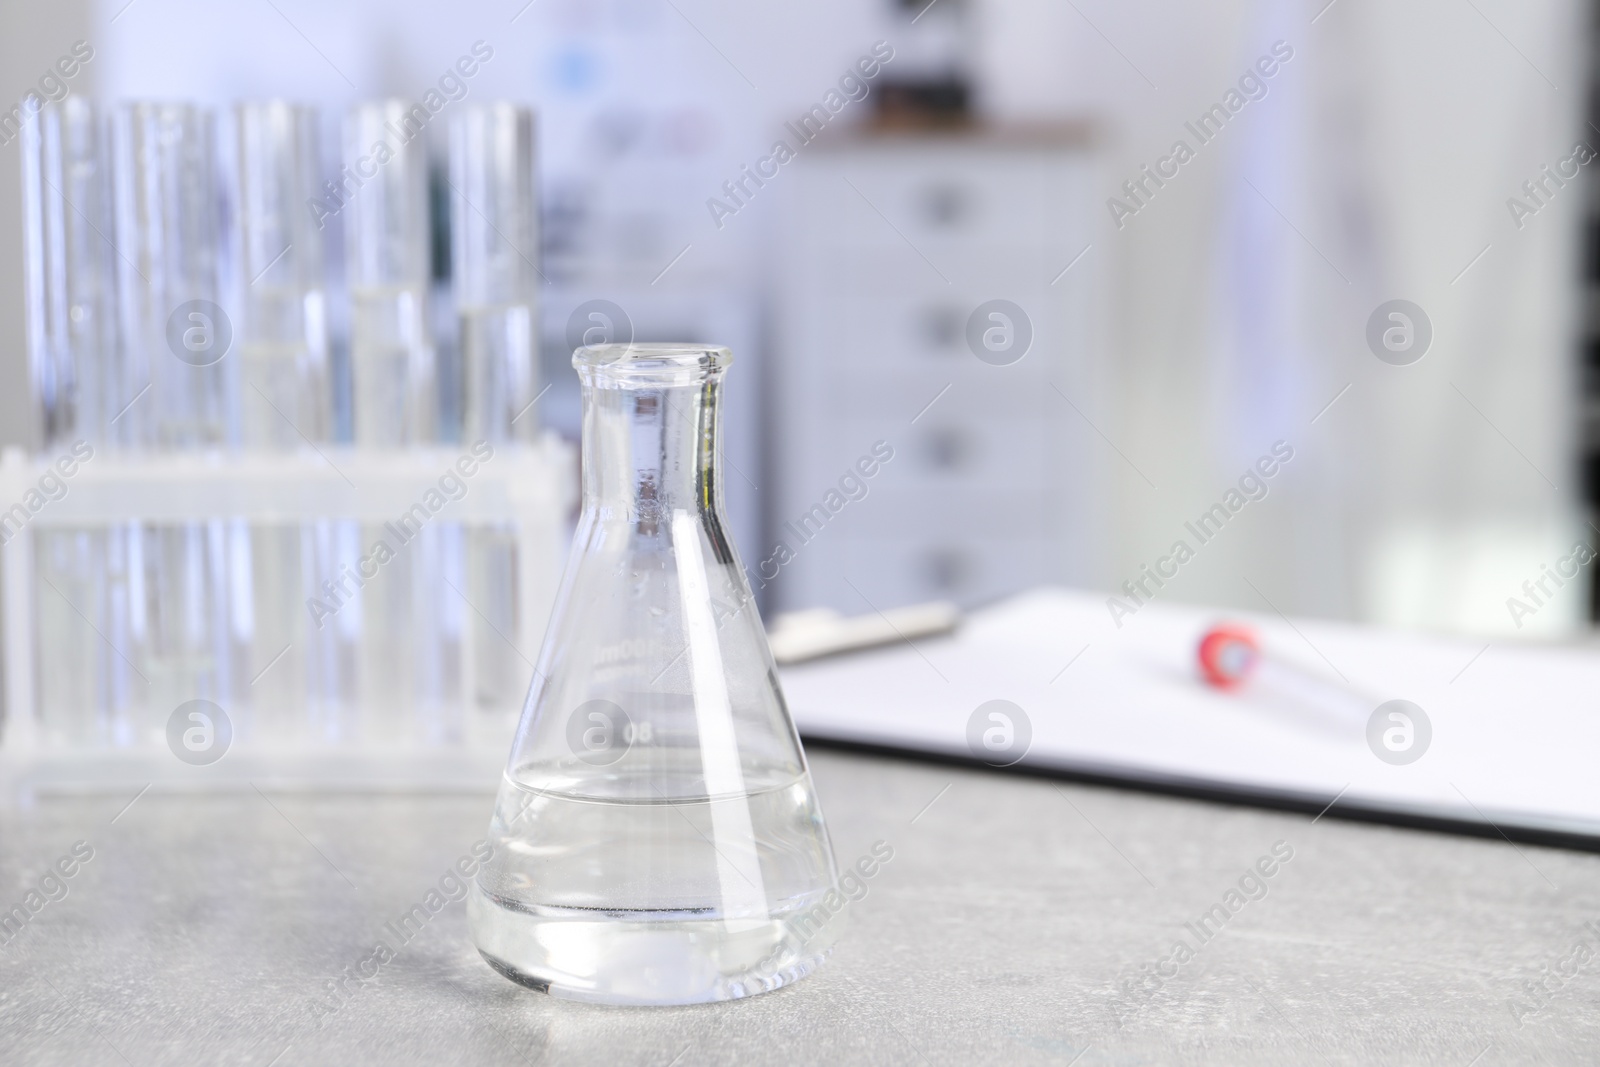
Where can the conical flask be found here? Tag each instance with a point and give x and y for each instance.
(656, 839)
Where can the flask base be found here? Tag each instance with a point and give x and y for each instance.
(628, 960)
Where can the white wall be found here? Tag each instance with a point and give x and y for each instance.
(1383, 156)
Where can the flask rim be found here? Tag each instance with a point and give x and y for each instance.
(646, 360)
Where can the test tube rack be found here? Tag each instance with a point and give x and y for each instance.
(99, 655)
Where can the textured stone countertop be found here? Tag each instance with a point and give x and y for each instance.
(1020, 921)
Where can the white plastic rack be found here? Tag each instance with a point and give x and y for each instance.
(250, 589)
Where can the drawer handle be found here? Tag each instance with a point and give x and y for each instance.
(941, 327)
(945, 205)
(946, 449)
(947, 568)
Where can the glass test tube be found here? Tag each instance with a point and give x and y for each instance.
(395, 405)
(86, 689)
(190, 636)
(283, 339)
(71, 273)
(166, 234)
(285, 399)
(177, 338)
(386, 253)
(494, 238)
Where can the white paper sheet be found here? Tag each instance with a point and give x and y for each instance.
(1515, 730)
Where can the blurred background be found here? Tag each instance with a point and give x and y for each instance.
(1169, 315)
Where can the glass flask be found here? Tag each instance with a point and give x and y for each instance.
(656, 838)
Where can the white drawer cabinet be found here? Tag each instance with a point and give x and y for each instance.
(889, 245)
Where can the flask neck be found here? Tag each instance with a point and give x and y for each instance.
(650, 447)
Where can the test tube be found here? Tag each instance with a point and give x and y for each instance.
(285, 400)
(384, 201)
(166, 234)
(494, 242)
(1232, 657)
(283, 339)
(494, 239)
(395, 404)
(85, 690)
(79, 383)
(178, 339)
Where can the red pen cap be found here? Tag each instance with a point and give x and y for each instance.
(1228, 654)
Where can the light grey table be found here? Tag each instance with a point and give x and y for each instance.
(1013, 925)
